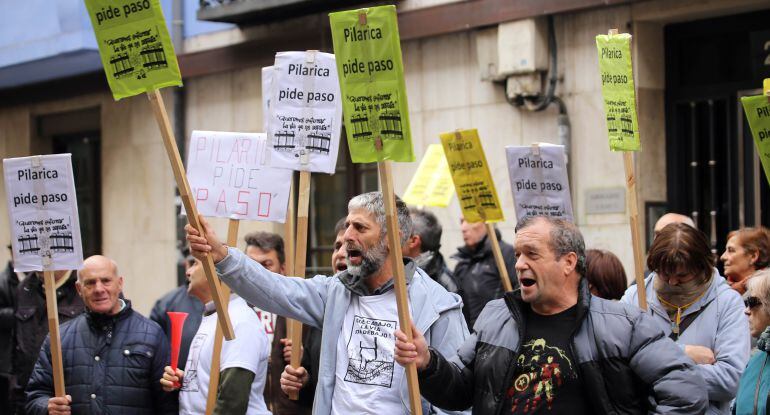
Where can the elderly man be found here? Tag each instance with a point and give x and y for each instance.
(112, 356)
(356, 310)
(423, 246)
(550, 347)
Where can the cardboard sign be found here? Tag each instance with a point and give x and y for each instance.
(228, 177)
(757, 111)
(539, 181)
(471, 176)
(618, 91)
(267, 87)
(43, 210)
(432, 183)
(368, 51)
(305, 119)
(134, 44)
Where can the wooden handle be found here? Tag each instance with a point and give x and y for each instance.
(399, 279)
(53, 330)
(636, 237)
(159, 109)
(294, 327)
(502, 270)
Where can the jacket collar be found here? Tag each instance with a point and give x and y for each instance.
(98, 321)
(357, 285)
(519, 308)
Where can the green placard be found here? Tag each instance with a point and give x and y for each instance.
(618, 91)
(371, 73)
(134, 44)
(757, 109)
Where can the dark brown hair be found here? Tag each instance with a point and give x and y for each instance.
(681, 248)
(754, 240)
(267, 241)
(606, 274)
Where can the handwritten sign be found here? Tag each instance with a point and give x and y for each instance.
(618, 91)
(368, 51)
(134, 45)
(757, 111)
(305, 118)
(43, 210)
(471, 176)
(539, 181)
(432, 183)
(228, 177)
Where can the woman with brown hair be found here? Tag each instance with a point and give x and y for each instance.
(695, 307)
(605, 273)
(747, 250)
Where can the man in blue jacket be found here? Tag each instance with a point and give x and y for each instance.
(356, 309)
(112, 356)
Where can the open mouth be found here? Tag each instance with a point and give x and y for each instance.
(341, 266)
(527, 282)
(355, 256)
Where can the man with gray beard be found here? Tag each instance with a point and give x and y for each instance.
(356, 309)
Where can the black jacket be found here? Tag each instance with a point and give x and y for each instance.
(112, 365)
(32, 325)
(9, 283)
(178, 300)
(626, 365)
(478, 278)
(432, 262)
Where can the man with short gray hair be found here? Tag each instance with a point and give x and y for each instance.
(356, 309)
(423, 246)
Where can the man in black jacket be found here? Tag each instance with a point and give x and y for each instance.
(8, 283)
(476, 271)
(112, 356)
(552, 347)
(423, 246)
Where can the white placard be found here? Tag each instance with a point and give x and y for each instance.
(539, 181)
(228, 177)
(267, 88)
(43, 210)
(305, 112)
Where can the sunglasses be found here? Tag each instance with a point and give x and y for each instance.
(752, 302)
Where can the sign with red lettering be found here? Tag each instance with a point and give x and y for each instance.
(230, 177)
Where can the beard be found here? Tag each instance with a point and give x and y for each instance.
(371, 259)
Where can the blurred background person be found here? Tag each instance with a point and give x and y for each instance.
(754, 387)
(9, 281)
(423, 246)
(747, 250)
(605, 274)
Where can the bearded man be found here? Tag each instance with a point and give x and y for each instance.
(356, 310)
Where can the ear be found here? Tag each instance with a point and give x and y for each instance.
(753, 258)
(79, 287)
(570, 262)
(414, 242)
(282, 271)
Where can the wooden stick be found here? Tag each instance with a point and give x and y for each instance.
(192, 211)
(399, 279)
(636, 238)
(289, 230)
(294, 327)
(216, 354)
(53, 330)
(502, 270)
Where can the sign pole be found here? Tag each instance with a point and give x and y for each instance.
(300, 261)
(633, 215)
(216, 354)
(53, 330)
(399, 279)
(159, 109)
(502, 270)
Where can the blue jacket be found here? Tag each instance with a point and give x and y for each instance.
(754, 388)
(721, 326)
(111, 365)
(323, 301)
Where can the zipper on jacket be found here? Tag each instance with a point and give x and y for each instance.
(759, 381)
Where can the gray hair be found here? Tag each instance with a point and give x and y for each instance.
(758, 285)
(427, 227)
(373, 203)
(565, 238)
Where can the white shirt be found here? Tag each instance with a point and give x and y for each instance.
(248, 350)
(368, 379)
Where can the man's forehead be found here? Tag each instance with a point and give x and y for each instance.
(97, 272)
(257, 251)
(360, 215)
(535, 234)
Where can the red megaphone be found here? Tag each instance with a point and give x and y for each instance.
(177, 323)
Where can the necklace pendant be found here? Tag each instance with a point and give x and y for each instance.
(675, 328)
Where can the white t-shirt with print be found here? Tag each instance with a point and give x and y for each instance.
(248, 350)
(268, 320)
(368, 379)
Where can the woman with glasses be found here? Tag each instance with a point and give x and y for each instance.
(693, 305)
(754, 388)
(747, 250)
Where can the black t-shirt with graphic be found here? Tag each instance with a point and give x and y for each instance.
(546, 376)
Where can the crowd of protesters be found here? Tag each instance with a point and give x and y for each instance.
(570, 337)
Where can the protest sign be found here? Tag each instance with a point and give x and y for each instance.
(618, 91)
(757, 109)
(432, 183)
(305, 112)
(134, 45)
(368, 52)
(471, 176)
(539, 181)
(43, 210)
(228, 177)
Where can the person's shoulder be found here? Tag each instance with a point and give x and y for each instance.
(441, 299)
(610, 307)
(493, 315)
(139, 325)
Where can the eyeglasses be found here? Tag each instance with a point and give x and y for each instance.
(752, 302)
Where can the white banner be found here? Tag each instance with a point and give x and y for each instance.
(267, 88)
(228, 177)
(305, 110)
(539, 181)
(43, 210)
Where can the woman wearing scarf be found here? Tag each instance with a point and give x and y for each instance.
(693, 305)
(754, 388)
(747, 250)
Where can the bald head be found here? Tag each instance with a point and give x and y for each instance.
(670, 218)
(100, 263)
